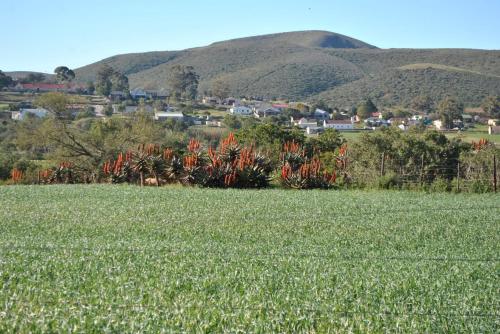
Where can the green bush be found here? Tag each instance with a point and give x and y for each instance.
(389, 181)
(440, 185)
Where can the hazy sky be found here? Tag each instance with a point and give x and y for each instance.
(40, 35)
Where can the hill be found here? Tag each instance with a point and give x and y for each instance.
(319, 65)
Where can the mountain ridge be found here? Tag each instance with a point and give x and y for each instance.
(316, 64)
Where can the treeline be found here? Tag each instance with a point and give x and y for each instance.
(52, 150)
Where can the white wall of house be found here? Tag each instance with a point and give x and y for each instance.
(240, 110)
(338, 125)
(163, 115)
(438, 124)
(20, 115)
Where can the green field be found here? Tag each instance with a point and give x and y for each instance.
(125, 259)
(467, 136)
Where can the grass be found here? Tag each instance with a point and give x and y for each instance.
(473, 134)
(125, 259)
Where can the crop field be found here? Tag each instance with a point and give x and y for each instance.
(128, 259)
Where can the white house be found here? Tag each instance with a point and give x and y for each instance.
(240, 110)
(303, 123)
(163, 115)
(493, 122)
(438, 124)
(213, 123)
(338, 124)
(210, 100)
(21, 114)
(355, 119)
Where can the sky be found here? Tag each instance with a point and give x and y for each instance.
(41, 35)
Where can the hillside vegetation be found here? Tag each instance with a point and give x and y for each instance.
(319, 65)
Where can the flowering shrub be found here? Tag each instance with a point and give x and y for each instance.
(64, 173)
(229, 166)
(300, 172)
(16, 175)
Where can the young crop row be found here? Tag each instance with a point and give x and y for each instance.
(124, 259)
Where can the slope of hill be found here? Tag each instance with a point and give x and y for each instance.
(399, 86)
(318, 65)
(16, 75)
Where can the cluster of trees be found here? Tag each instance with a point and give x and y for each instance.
(184, 82)
(109, 79)
(5, 80)
(64, 74)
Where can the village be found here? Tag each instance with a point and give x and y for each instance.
(211, 111)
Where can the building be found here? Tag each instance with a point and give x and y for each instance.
(281, 106)
(312, 130)
(138, 93)
(266, 112)
(240, 111)
(117, 95)
(210, 100)
(321, 114)
(493, 122)
(494, 130)
(468, 119)
(398, 121)
(355, 119)
(164, 115)
(21, 114)
(303, 123)
(338, 124)
(438, 124)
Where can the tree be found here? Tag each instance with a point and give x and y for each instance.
(232, 122)
(119, 82)
(491, 105)
(422, 103)
(220, 89)
(5, 80)
(387, 115)
(365, 109)
(109, 79)
(64, 74)
(56, 103)
(184, 81)
(90, 88)
(108, 110)
(329, 140)
(103, 83)
(449, 110)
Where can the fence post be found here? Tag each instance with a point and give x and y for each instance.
(458, 176)
(494, 173)
(422, 171)
(382, 166)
